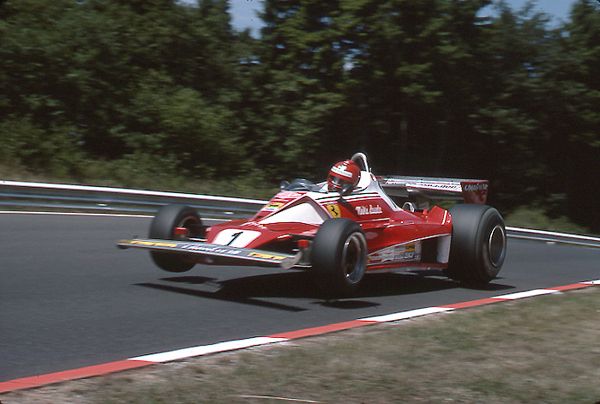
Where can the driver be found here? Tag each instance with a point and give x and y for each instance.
(343, 177)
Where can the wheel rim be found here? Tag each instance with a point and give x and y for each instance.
(353, 258)
(191, 223)
(497, 245)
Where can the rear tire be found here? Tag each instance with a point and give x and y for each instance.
(478, 246)
(339, 257)
(163, 226)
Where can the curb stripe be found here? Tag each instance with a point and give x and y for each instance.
(473, 303)
(309, 332)
(157, 358)
(573, 286)
(529, 293)
(74, 374)
(206, 349)
(403, 315)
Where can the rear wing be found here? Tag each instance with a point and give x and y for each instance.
(425, 189)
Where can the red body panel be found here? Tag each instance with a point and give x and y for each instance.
(393, 235)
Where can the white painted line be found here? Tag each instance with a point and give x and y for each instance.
(275, 398)
(23, 212)
(129, 191)
(574, 241)
(597, 282)
(403, 315)
(207, 349)
(529, 293)
(551, 233)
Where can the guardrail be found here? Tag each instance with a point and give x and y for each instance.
(27, 195)
(553, 237)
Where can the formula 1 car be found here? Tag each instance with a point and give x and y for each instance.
(342, 235)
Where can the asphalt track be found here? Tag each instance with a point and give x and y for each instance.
(69, 298)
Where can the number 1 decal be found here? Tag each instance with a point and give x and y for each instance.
(234, 236)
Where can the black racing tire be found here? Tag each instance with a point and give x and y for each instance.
(339, 257)
(478, 246)
(162, 227)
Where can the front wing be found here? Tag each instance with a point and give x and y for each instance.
(207, 250)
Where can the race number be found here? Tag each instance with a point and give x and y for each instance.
(236, 237)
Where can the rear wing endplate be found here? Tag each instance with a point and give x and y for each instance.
(426, 188)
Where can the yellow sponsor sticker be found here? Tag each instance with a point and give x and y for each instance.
(266, 256)
(273, 206)
(152, 243)
(334, 210)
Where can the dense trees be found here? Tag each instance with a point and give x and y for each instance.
(93, 88)
(122, 79)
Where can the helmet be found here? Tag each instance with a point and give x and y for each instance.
(343, 177)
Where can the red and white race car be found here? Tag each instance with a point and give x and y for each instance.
(340, 235)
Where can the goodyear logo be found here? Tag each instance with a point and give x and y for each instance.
(153, 243)
(266, 256)
(476, 187)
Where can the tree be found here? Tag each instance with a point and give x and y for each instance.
(302, 70)
(91, 66)
(575, 121)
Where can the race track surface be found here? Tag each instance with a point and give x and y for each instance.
(69, 298)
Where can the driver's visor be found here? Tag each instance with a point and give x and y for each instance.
(336, 182)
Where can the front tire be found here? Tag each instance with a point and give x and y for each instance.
(339, 257)
(163, 227)
(478, 245)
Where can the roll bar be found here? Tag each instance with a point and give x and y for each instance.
(361, 160)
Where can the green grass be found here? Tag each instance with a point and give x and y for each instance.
(538, 350)
(535, 218)
(144, 175)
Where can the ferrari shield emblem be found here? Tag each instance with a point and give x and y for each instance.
(334, 210)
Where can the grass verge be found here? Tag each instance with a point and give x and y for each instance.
(535, 218)
(539, 350)
(127, 174)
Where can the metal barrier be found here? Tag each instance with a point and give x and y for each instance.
(61, 197)
(553, 237)
(28, 195)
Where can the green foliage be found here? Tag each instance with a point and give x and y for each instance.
(54, 150)
(537, 217)
(166, 92)
(178, 123)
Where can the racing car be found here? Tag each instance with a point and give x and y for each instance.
(340, 229)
